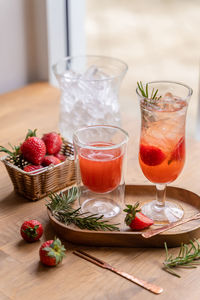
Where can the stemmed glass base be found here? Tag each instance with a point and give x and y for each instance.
(161, 211)
(162, 214)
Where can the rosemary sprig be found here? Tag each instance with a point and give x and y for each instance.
(61, 208)
(61, 202)
(187, 257)
(145, 92)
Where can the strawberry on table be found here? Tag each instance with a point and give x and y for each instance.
(53, 142)
(33, 148)
(31, 231)
(31, 168)
(151, 155)
(50, 160)
(135, 219)
(52, 252)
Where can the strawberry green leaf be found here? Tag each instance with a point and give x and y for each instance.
(30, 133)
(56, 250)
(131, 211)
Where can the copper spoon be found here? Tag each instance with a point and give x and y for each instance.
(146, 285)
(152, 232)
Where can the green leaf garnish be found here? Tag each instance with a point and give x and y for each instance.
(145, 92)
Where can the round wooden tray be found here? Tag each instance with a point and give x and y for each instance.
(189, 201)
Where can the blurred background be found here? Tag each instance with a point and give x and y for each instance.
(158, 39)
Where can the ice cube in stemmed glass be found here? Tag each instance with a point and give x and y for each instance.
(162, 143)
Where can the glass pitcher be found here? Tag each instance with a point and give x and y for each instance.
(89, 92)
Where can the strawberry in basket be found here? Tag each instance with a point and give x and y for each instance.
(50, 160)
(31, 168)
(53, 142)
(27, 165)
(33, 148)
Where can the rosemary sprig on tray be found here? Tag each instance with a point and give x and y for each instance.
(145, 92)
(187, 257)
(61, 208)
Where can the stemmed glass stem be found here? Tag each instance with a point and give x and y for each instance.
(162, 211)
(160, 195)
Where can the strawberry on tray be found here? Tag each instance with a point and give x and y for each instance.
(39, 166)
(135, 219)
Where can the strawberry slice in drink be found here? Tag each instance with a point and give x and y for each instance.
(151, 155)
(179, 151)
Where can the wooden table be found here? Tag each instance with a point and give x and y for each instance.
(22, 276)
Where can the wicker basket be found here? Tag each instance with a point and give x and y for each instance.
(49, 179)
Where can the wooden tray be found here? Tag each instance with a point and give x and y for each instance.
(189, 201)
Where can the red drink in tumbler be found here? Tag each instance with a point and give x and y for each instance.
(101, 169)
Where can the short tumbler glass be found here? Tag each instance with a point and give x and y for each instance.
(100, 157)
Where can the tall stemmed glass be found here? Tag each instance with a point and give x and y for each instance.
(163, 107)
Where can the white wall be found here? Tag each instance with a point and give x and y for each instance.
(33, 38)
(76, 22)
(56, 34)
(23, 43)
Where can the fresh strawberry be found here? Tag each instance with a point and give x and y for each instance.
(53, 142)
(52, 252)
(31, 168)
(179, 150)
(31, 230)
(33, 150)
(50, 160)
(60, 156)
(135, 219)
(151, 156)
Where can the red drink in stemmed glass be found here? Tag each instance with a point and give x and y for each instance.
(162, 142)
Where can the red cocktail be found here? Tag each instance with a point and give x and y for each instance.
(100, 154)
(162, 142)
(162, 165)
(101, 169)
